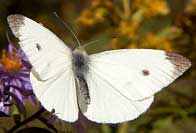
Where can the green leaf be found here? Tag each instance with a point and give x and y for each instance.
(165, 122)
(138, 15)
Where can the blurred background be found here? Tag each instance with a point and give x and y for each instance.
(162, 24)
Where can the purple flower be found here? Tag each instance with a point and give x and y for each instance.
(14, 80)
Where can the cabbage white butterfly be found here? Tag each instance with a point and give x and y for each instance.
(108, 87)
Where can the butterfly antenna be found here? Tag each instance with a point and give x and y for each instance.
(91, 42)
(98, 40)
(68, 27)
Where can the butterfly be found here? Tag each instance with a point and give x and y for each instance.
(108, 87)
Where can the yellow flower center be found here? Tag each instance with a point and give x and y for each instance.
(11, 62)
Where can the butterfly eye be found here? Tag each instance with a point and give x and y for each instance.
(38, 47)
(146, 72)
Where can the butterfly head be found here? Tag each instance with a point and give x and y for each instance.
(80, 50)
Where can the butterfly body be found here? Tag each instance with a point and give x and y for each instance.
(80, 61)
(108, 87)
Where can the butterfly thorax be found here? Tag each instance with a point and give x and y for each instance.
(80, 61)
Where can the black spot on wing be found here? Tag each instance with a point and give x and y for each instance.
(145, 72)
(38, 47)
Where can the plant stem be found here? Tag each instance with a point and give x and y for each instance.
(45, 121)
(127, 10)
(34, 116)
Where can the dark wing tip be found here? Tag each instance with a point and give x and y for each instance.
(181, 63)
(15, 22)
(15, 17)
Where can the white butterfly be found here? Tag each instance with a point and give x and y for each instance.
(108, 87)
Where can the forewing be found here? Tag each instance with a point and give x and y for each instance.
(45, 51)
(59, 93)
(138, 73)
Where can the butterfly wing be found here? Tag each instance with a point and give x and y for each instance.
(51, 76)
(109, 106)
(44, 49)
(122, 82)
(59, 93)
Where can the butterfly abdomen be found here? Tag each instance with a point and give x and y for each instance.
(84, 88)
